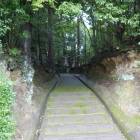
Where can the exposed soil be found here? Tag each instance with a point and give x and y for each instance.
(117, 81)
(131, 119)
(26, 113)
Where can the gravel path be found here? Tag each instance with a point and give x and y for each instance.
(74, 113)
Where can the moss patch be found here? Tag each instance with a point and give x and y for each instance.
(129, 121)
(80, 105)
(51, 100)
(82, 98)
(72, 132)
(72, 111)
(84, 111)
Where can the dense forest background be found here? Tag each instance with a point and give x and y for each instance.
(42, 31)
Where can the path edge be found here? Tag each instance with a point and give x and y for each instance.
(118, 123)
(42, 111)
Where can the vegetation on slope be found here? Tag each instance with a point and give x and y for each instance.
(7, 124)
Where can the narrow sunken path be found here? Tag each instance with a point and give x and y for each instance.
(74, 113)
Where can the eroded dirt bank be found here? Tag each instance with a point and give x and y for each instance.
(117, 81)
(26, 112)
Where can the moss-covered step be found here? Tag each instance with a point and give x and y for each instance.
(78, 119)
(72, 99)
(69, 83)
(76, 111)
(72, 111)
(67, 93)
(79, 128)
(85, 136)
(73, 104)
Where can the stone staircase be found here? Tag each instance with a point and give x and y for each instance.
(76, 115)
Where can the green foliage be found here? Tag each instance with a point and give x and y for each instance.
(14, 52)
(69, 8)
(113, 13)
(12, 17)
(3, 27)
(7, 125)
(25, 34)
(111, 23)
(138, 62)
(39, 4)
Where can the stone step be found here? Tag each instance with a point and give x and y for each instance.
(77, 111)
(61, 120)
(72, 99)
(79, 128)
(81, 104)
(72, 94)
(88, 136)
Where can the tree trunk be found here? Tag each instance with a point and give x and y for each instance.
(78, 42)
(39, 47)
(50, 38)
(94, 32)
(64, 44)
(25, 43)
(85, 45)
(94, 35)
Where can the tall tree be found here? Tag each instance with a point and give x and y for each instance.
(26, 42)
(78, 41)
(50, 37)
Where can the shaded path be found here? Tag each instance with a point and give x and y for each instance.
(73, 112)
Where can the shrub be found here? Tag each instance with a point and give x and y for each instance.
(7, 125)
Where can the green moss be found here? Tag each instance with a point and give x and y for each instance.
(77, 106)
(133, 121)
(72, 132)
(51, 100)
(49, 106)
(79, 120)
(49, 116)
(72, 111)
(106, 118)
(49, 112)
(84, 111)
(92, 96)
(82, 98)
(80, 105)
(70, 89)
(126, 89)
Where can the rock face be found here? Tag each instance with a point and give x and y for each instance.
(118, 64)
(27, 81)
(24, 80)
(2, 67)
(122, 83)
(28, 102)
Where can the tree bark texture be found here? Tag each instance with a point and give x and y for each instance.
(50, 37)
(78, 42)
(25, 43)
(39, 47)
